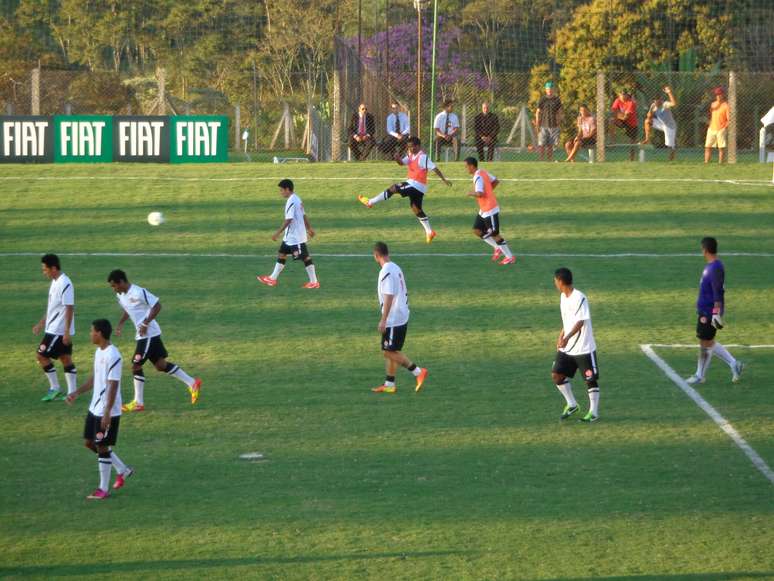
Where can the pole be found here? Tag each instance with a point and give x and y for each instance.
(432, 73)
(387, 44)
(359, 49)
(419, 70)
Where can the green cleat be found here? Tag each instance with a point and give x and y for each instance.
(52, 395)
(568, 411)
(589, 417)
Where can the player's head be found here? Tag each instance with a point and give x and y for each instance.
(100, 331)
(584, 110)
(471, 164)
(414, 144)
(447, 105)
(381, 252)
(49, 264)
(549, 88)
(562, 278)
(286, 188)
(658, 101)
(118, 281)
(709, 246)
(719, 93)
(485, 107)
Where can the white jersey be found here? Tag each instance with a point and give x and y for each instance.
(576, 308)
(423, 162)
(61, 294)
(137, 302)
(391, 282)
(295, 233)
(107, 367)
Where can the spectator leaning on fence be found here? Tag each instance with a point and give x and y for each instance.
(586, 138)
(447, 128)
(718, 127)
(398, 130)
(625, 116)
(548, 118)
(361, 133)
(487, 126)
(660, 117)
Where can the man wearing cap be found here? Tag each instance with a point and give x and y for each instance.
(625, 116)
(548, 118)
(660, 117)
(718, 127)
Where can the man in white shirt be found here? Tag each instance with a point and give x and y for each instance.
(100, 431)
(398, 131)
(660, 117)
(447, 127)
(393, 322)
(294, 232)
(59, 326)
(142, 307)
(575, 347)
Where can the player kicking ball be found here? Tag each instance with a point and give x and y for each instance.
(415, 186)
(143, 307)
(487, 224)
(575, 348)
(100, 431)
(393, 324)
(294, 232)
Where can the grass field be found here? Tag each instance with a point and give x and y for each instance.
(475, 477)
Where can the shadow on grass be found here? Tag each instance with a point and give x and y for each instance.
(676, 577)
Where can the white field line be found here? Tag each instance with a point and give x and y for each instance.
(408, 254)
(696, 345)
(722, 422)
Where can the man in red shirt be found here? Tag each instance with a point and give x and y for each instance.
(625, 116)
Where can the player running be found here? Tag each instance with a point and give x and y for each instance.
(100, 431)
(295, 227)
(393, 323)
(575, 348)
(59, 326)
(415, 186)
(710, 308)
(487, 224)
(143, 307)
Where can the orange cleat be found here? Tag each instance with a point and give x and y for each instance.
(385, 389)
(510, 260)
(429, 237)
(267, 280)
(311, 285)
(497, 254)
(421, 379)
(363, 200)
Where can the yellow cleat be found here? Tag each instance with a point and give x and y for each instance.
(194, 390)
(429, 237)
(133, 406)
(363, 200)
(421, 379)
(385, 389)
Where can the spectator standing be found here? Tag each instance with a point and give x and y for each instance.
(660, 117)
(361, 133)
(718, 127)
(447, 128)
(586, 138)
(398, 131)
(625, 116)
(548, 118)
(487, 126)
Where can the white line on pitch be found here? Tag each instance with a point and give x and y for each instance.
(695, 345)
(722, 422)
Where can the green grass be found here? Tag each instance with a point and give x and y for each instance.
(474, 478)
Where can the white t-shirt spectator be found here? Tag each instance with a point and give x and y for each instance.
(445, 122)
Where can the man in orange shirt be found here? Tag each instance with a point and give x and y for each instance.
(487, 224)
(718, 127)
(625, 116)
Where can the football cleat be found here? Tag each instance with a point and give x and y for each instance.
(267, 280)
(497, 254)
(98, 494)
(694, 379)
(509, 260)
(311, 285)
(736, 374)
(52, 395)
(589, 417)
(429, 237)
(421, 378)
(121, 478)
(363, 200)
(133, 406)
(195, 390)
(385, 389)
(568, 411)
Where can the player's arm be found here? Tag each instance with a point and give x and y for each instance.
(142, 328)
(672, 98)
(38, 327)
(68, 320)
(388, 302)
(440, 175)
(121, 321)
(717, 307)
(85, 386)
(495, 183)
(308, 227)
(111, 399)
(285, 224)
(564, 339)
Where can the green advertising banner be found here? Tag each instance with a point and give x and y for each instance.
(199, 138)
(83, 138)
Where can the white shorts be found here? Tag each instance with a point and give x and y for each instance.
(670, 133)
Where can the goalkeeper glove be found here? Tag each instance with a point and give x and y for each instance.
(717, 320)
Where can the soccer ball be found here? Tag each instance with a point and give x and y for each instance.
(156, 219)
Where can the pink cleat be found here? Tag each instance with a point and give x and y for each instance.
(121, 478)
(267, 280)
(311, 285)
(497, 254)
(98, 494)
(510, 260)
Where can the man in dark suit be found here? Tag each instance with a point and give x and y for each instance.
(361, 133)
(487, 126)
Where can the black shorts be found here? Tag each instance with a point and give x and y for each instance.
(631, 132)
(413, 194)
(93, 431)
(394, 337)
(567, 365)
(488, 226)
(588, 142)
(53, 347)
(297, 251)
(149, 348)
(704, 329)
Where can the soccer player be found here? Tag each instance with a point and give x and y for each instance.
(487, 224)
(393, 323)
(294, 232)
(59, 326)
(415, 186)
(143, 307)
(575, 347)
(100, 431)
(710, 308)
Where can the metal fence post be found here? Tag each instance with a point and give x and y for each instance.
(35, 91)
(732, 117)
(601, 117)
(237, 125)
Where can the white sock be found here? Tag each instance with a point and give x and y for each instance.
(385, 195)
(705, 357)
(489, 240)
(181, 375)
(416, 371)
(311, 272)
(71, 378)
(118, 464)
(506, 250)
(278, 267)
(426, 224)
(139, 389)
(105, 465)
(723, 353)
(566, 390)
(53, 379)
(594, 400)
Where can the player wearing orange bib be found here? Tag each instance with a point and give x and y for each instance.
(415, 186)
(487, 224)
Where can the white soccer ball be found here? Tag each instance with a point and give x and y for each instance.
(156, 219)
